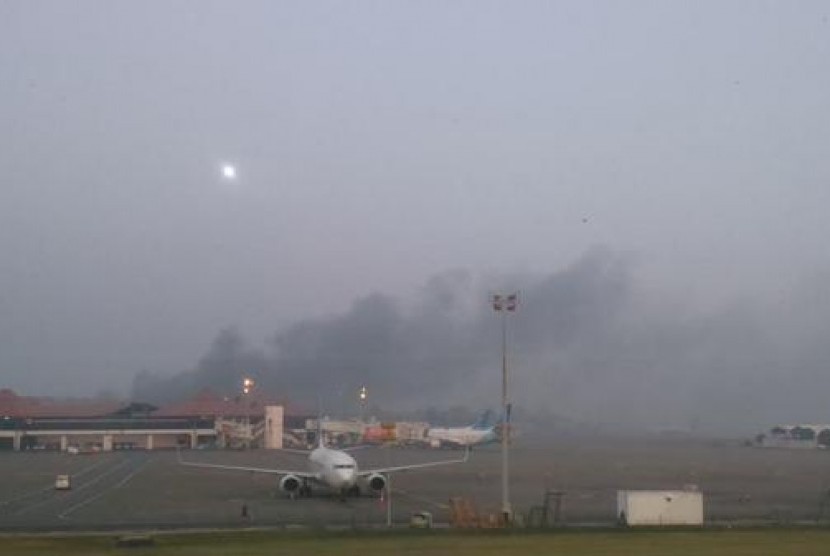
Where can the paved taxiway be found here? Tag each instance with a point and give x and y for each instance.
(149, 489)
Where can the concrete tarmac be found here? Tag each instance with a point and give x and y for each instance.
(138, 489)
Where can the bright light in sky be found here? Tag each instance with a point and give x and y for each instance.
(228, 171)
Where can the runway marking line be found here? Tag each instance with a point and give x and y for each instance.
(133, 474)
(79, 489)
(87, 501)
(47, 488)
(421, 499)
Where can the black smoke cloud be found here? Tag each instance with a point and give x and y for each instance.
(588, 343)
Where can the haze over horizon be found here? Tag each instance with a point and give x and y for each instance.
(653, 177)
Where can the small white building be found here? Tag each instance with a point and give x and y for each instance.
(660, 507)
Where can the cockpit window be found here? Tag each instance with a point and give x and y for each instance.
(344, 466)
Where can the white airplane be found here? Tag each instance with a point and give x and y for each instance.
(332, 468)
(480, 432)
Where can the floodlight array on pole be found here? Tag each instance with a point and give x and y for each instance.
(363, 395)
(247, 385)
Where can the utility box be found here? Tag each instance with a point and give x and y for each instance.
(421, 520)
(659, 507)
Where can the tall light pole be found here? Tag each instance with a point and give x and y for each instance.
(505, 304)
(247, 387)
(363, 394)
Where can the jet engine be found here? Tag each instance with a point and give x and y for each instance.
(377, 482)
(290, 484)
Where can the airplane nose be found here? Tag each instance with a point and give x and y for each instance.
(347, 477)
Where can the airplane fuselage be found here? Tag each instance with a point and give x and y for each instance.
(462, 436)
(333, 468)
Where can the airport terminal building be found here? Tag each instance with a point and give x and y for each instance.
(796, 436)
(29, 423)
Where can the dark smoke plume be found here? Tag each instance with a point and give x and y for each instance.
(586, 343)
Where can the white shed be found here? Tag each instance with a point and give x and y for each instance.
(660, 507)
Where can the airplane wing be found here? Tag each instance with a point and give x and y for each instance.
(293, 451)
(411, 466)
(301, 474)
(356, 447)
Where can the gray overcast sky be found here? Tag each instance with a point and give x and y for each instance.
(381, 143)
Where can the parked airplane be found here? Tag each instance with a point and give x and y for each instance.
(332, 468)
(480, 432)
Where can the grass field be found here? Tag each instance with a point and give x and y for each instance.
(755, 542)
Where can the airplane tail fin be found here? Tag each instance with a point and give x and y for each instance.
(484, 422)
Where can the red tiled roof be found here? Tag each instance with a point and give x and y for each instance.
(205, 404)
(208, 404)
